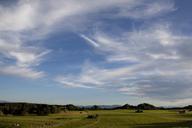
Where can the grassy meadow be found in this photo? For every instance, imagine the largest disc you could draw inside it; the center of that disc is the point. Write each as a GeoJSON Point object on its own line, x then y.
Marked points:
{"type": "Point", "coordinates": [106, 119]}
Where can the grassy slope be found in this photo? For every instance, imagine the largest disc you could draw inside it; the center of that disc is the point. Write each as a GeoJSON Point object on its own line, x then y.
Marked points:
{"type": "Point", "coordinates": [107, 119]}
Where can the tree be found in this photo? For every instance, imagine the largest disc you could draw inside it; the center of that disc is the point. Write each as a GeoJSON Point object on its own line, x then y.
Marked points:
{"type": "Point", "coordinates": [1, 113]}
{"type": "Point", "coordinates": [95, 107]}
{"type": "Point", "coordinates": [43, 110]}
{"type": "Point", "coordinates": [146, 106]}
{"type": "Point", "coordinates": [72, 107]}
{"type": "Point", "coordinates": [54, 109]}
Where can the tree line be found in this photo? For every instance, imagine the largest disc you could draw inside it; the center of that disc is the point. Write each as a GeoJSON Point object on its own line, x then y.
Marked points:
{"type": "Point", "coordinates": [31, 108]}
{"type": "Point", "coordinates": [28, 108]}
{"type": "Point", "coordinates": [45, 109]}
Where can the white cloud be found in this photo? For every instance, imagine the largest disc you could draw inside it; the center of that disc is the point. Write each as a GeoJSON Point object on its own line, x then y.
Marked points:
{"type": "Point", "coordinates": [129, 90]}
{"type": "Point", "coordinates": [161, 58]}
{"type": "Point", "coordinates": [26, 21]}
{"type": "Point", "coordinates": [161, 64]}
{"type": "Point", "coordinates": [23, 57]}
{"type": "Point", "coordinates": [26, 58]}
{"type": "Point", "coordinates": [21, 72]}
{"type": "Point", "coordinates": [69, 82]}
{"type": "Point", "coordinates": [89, 40]}
{"type": "Point", "coordinates": [17, 18]}
{"type": "Point", "coordinates": [27, 15]}
{"type": "Point", "coordinates": [92, 76]}
{"type": "Point", "coordinates": [147, 9]}
{"type": "Point", "coordinates": [154, 42]}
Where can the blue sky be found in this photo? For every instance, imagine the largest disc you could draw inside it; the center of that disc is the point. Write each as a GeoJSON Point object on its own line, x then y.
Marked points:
{"type": "Point", "coordinates": [96, 52]}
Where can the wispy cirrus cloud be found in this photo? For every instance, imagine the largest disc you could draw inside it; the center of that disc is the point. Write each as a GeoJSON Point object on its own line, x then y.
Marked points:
{"type": "Point", "coordinates": [39, 18]}
{"type": "Point", "coordinates": [24, 56]}
{"type": "Point", "coordinates": [147, 9]}
{"type": "Point", "coordinates": [20, 59]}
{"type": "Point", "coordinates": [92, 42]}
{"type": "Point", "coordinates": [27, 15]}
{"type": "Point", "coordinates": [161, 64]}
{"type": "Point", "coordinates": [155, 42]}
{"type": "Point", "coordinates": [156, 59]}
{"type": "Point", "coordinates": [21, 72]}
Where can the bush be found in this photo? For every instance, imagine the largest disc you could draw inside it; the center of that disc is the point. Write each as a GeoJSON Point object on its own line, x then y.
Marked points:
{"type": "Point", "coordinates": [24, 113]}
{"type": "Point", "coordinates": [146, 106]}
{"type": "Point", "coordinates": [139, 111]}
{"type": "Point", "coordinates": [92, 116]}
{"type": "Point", "coordinates": [1, 113]}
{"type": "Point", "coordinates": [182, 111]}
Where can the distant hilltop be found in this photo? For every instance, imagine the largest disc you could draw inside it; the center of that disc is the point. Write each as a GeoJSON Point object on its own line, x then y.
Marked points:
{"type": "Point", "coordinates": [21, 108]}
{"type": "Point", "coordinates": [142, 106]}
{"type": "Point", "coordinates": [3, 101]}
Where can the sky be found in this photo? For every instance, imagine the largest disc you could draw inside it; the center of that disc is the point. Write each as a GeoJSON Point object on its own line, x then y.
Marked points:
{"type": "Point", "coordinates": [87, 52]}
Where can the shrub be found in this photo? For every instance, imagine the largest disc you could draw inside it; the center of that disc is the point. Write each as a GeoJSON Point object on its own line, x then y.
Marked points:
{"type": "Point", "coordinates": [92, 116]}
{"type": "Point", "coordinates": [146, 106]}
{"type": "Point", "coordinates": [1, 113]}
{"type": "Point", "coordinates": [139, 111]}
{"type": "Point", "coordinates": [182, 111]}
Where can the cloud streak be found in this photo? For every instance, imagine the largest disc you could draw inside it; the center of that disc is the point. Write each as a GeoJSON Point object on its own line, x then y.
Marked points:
{"type": "Point", "coordinates": [21, 72]}
{"type": "Point", "coordinates": [39, 18]}
{"type": "Point", "coordinates": [89, 40]}
{"type": "Point", "coordinates": [161, 64]}
{"type": "Point", "coordinates": [156, 59]}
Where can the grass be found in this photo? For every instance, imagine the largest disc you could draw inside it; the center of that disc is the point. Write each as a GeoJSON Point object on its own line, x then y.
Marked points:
{"type": "Point", "coordinates": [106, 119]}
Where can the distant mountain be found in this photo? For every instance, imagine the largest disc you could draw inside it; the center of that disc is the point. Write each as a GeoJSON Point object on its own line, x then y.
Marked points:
{"type": "Point", "coordinates": [188, 107]}
{"type": "Point", "coordinates": [146, 106]}
{"type": "Point", "coordinates": [108, 106]}
{"type": "Point", "coordinates": [126, 106]}
{"type": "Point", "coordinates": [3, 101]}
{"type": "Point", "coordinates": [101, 106]}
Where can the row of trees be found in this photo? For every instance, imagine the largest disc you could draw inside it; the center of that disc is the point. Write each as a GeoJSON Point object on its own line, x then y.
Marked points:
{"type": "Point", "coordinates": [143, 106]}
{"type": "Point", "coordinates": [26, 108]}
{"type": "Point", "coordinates": [37, 109]}
{"type": "Point", "coordinates": [44, 109]}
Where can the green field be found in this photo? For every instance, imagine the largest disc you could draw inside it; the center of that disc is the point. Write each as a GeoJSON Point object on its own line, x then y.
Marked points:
{"type": "Point", "coordinates": [106, 119]}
